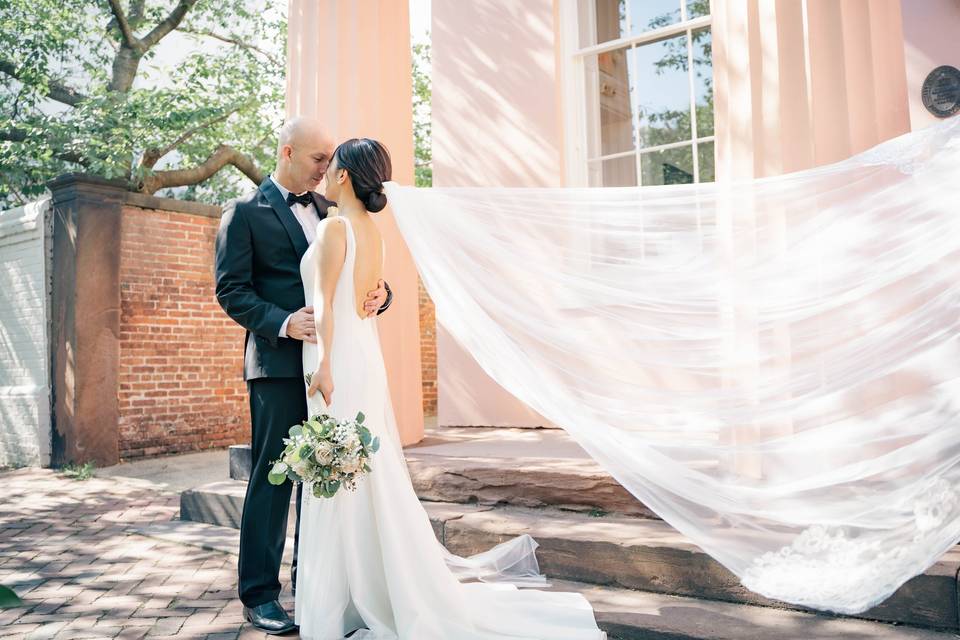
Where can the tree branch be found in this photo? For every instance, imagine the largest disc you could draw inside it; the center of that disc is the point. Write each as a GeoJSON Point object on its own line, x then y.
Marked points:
{"type": "Point", "coordinates": [169, 23]}
{"type": "Point", "coordinates": [57, 90]}
{"type": "Point", "coordinates": [152, 156]}
{"type": "Point", "coordinates": [135, 18]}
{"type": "Point", "coordinates": [19, 135]}
{"type": "Point", "coordinates": [129, 39]}
{"type": "Point", "coordinates": [232, 40]}
{"type": "Point", "coordinates": [224, 155]}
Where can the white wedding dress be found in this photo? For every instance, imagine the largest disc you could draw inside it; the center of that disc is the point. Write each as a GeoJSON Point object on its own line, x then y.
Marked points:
{"type": "Point", "coordinates": [369, 559]}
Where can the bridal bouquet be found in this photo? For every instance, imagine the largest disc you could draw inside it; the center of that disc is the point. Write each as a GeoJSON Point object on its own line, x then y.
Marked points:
{"type": "Point", "coordinates": [326, 453]}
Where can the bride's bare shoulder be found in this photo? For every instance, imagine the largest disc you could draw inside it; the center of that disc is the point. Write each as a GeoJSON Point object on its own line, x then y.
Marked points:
{"type": "Point", "coordinates": [332, 236]}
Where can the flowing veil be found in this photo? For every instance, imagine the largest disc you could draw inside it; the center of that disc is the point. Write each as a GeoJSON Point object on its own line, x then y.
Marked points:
{"type": "Point", "coordinates": [772, 366]}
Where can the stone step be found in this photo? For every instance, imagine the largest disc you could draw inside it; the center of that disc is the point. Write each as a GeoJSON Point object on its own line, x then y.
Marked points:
{"type": "Point", "coordinates": [638, 615]}
{"type": "Point", "coordinates": [462, 474]}
{"type": "Point", "coordinates": [632, 615]}
{"type": "Point", "coordinates": [617, 551]}
{"type": "Point", "coordinates": [649, 555]}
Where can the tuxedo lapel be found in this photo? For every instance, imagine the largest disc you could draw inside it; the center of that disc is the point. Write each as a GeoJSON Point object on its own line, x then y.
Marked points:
{"type": "Point", "coordinates": [322, 204]}
{"type": "Point", "coordinates": [287, 217]}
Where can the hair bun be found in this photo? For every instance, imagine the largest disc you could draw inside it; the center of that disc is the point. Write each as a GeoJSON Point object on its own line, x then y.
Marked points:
{"type": "Point", "coordinates": [375, 201]}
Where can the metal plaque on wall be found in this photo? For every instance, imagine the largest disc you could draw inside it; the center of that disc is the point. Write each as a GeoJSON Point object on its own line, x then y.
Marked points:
{"type": "Point", "coordinates": [941, 91]}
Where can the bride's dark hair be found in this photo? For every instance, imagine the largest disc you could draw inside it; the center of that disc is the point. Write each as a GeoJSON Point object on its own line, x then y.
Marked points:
{"type": "Point", "coordinates": [368, 163]}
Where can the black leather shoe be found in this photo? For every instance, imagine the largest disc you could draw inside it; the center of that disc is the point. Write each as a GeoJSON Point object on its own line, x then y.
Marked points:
{"type": "Point", "coordinates": [270, 618]}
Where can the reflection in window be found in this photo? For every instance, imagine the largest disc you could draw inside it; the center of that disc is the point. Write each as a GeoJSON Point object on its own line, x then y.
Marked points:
{"type": "Point", "coordinates": [663, 90]}
{"type": "Point", "coordinates": [616, 172]}
{"type": "Point", "coordinates": [670, 166]}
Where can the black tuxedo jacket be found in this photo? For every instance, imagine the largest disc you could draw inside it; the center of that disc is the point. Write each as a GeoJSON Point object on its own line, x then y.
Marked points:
{"type": "Point", "coordinates": [258, 250]}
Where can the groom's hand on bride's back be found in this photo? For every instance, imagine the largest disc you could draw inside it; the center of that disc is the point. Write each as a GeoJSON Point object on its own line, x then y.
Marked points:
{"type": "Point", "coordinates": [301, 325]}
{"type": "Point", "coordinates": [377, 300]}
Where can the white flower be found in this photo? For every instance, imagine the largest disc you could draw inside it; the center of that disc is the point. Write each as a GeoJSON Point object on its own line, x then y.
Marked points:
{"type": "Point", "coordinates": [301, 468]}
{"type": "Point", "coordinates": [352, 464]}
{"type": "Point", "coordinates": [324, 453]}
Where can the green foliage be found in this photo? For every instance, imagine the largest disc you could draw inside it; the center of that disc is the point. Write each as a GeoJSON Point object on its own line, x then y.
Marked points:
{"type": "Point", "coordinates": [78, 471]}
{"type": "Point", "coordinates": [75, 97]}
{"type": "Point", "coordinates": [422, 152]}
{"type": "Point", "coordinates": [9, 599]}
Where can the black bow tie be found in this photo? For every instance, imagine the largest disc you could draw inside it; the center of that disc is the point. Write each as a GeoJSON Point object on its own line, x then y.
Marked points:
{"type": "Point", "coordinates": [304, 198]}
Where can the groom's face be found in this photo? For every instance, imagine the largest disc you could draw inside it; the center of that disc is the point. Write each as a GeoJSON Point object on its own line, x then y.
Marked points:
{"type": "Point", "coordinates": [309, 159]}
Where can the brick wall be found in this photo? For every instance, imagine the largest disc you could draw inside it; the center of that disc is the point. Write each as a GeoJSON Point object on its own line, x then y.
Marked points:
{"type": "Point", "coordinates": [428, 352]}
{"type": "Point", "coordinates": [180, 373]}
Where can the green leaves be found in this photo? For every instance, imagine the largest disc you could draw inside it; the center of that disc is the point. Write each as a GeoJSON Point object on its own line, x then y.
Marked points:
{"type": "Point", "coordinates": [191, 93]}
{"type": "Point", "coordinates": [9, 599]}
{"type": "Point", "coordinates": [325, 489]}
{"type": "Point", "coordinates": [278, 473]}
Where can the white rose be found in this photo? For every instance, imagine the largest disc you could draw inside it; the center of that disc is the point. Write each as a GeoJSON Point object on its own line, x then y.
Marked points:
{"type": "Point", "coordinates": [324, 453]}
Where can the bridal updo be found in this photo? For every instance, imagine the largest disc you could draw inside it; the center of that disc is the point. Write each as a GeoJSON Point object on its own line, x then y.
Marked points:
{"type": "Point", "coordinates": [368, 163]}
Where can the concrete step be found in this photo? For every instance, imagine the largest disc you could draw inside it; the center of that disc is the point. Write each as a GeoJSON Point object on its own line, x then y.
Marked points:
{"type": "Point", "coordinates": [632, 615]}
{"type": "Point", "coordinates": [471, 473]}
{"type": "Point", "coordinates": [616, 551]}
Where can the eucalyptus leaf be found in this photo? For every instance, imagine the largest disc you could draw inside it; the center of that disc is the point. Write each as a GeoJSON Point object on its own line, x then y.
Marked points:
{"type": "Point", "coordinates": [9, 599]}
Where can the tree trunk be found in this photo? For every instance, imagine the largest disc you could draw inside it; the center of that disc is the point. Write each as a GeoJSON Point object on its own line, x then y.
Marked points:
{"type": "Point", "coordinates": [125, 67]}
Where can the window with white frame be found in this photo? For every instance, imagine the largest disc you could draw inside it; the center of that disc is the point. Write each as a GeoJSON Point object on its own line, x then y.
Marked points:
{"type": "Point", "coordinates": [647, 77]}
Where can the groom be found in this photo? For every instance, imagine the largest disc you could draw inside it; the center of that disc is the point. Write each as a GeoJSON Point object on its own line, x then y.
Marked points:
{"type": "Point", "coordinates": [261, 239]}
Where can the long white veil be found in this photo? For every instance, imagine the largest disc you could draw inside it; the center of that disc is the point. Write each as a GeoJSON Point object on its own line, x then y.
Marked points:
{"type": "Point", "coordinates": [772, 366]}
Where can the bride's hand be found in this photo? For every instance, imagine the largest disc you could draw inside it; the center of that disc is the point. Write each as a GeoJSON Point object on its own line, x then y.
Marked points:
{"type": "Point", "coordinates": [321, 381]}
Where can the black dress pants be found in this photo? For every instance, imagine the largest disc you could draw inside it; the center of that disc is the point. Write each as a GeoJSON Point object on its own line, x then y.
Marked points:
{"type": "Point", "coordinates": [276, 404]}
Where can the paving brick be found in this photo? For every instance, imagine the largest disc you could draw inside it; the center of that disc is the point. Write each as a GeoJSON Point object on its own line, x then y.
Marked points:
{"type": "Point", "coordinates": [71, 552]}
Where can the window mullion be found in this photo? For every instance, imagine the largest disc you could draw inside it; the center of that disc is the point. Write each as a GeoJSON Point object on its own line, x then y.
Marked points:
{"type": "Point", "coordinates": [693, 107]}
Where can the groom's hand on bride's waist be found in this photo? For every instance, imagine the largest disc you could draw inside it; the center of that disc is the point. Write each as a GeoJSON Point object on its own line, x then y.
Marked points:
{"type": "Point", "coordinates": [300, 326]}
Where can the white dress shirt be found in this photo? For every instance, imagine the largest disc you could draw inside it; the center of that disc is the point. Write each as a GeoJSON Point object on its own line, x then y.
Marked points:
{"type": "Point", "coordinates": [307, 216]}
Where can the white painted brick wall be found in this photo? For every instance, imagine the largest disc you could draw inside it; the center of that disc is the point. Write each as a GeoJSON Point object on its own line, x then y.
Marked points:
{"type": "Point", "coordinates": [25, 429]}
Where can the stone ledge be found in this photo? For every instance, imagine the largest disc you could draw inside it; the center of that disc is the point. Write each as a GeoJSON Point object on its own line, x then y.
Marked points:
{"type": "Point", "coordinates": [573, 484]}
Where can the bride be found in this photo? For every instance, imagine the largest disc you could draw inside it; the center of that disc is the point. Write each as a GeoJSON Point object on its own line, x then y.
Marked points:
{"type": "Point", "coordinates": [369, 559]}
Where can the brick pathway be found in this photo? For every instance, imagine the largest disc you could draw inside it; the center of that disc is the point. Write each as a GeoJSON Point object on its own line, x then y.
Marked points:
{"type": "Point", "coordinates": [68, 549]}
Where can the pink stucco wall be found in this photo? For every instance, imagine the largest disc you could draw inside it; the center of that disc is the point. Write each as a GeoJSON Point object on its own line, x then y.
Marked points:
{"type": "Point", "coordinates": [931, 37]}
{"type": "Point", "coordinates": [495, 123]}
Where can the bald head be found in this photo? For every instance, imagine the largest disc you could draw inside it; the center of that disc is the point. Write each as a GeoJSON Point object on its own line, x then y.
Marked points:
{"type": "Point", "coordinates": [303, 130]}
{"type": "Point", "coordinates": [303, 153]}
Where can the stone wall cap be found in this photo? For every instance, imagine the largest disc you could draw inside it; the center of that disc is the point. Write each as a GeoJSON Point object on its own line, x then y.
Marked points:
{"type": "Point", "coordinates": [63, 187]}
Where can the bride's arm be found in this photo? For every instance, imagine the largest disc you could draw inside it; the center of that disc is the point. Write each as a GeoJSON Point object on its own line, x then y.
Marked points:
{"type": "Point", "coordinates": [333, 251]}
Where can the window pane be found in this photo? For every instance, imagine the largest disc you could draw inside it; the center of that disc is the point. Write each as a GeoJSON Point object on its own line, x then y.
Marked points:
{"type": "Point", "coordinates": [663, 92]}
{"type": "Point", "coordinates": [618, 172]}
{"type": "Point", "coordinates": [703, 81]}
{"type": "Point", "coordinates": [706, 158]}
{"type": "Point", "coordinates": [646, 15]}
{"type": "Point", "coordinates": [611, 20]}
{"type": "Point", "coordinates": [697, 8]}
{"type": "Point", "coordinates": [670, 166]}
{"type": "Point", "coordinates": [611, 103]}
